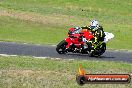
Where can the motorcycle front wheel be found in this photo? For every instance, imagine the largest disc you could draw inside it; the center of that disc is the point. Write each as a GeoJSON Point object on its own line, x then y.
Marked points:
{"type": "Point", "coordinates": [61, 47]}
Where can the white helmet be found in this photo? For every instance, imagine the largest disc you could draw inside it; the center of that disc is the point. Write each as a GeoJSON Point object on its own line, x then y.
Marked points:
{"type": "Point", "coordinates": [94, 24]}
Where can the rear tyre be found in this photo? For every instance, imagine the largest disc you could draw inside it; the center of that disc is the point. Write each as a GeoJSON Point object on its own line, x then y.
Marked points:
{"type": "Point", "coordinates": [101, 50]}
{"type": "Point", "coordinates": [61, 47]}
{"type": "Point", "coordinates": [98, 52]}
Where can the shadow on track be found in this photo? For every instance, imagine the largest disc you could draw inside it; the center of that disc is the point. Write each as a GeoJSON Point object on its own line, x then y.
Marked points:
{"type": "Point", "coordinates": [85, 56]}
{"type": "Point", "coordinates": [105, 57]}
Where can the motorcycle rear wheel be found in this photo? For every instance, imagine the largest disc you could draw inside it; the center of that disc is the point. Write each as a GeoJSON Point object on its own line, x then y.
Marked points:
{"type": "Point", "coordinates": [97, 53]}
{"type": "Point", "coordinates": [102, 48]}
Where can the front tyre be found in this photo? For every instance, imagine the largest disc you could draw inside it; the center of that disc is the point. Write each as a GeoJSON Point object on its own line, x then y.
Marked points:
{"type": "Point", "coordinates": [61, 47]}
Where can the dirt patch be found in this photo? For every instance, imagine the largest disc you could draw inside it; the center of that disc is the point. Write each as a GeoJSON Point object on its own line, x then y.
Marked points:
{"type": "Point", "coordinates": [54, 19]}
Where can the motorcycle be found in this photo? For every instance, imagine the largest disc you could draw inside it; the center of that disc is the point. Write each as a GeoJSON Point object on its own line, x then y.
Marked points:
{"type": "Point", "coordinates": [76, 43]}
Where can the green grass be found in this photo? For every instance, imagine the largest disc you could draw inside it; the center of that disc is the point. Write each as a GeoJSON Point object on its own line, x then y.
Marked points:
{"type": "Point", "coordinates": [57, 16]}
{"type": "Point", "coordinates": [47, 22]}
{"type": "Point", "coordinates": [28, 72]}
{"type": "Point", "coordinates": [31, 32]}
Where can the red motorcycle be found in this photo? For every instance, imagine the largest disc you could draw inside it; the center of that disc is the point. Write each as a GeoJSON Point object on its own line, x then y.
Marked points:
{"type": "Point", "coordinates": [75, 43]}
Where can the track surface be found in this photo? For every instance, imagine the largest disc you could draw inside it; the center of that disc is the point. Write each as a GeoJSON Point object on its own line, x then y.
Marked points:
{"type": "Point", "coordinates": [49, 51]}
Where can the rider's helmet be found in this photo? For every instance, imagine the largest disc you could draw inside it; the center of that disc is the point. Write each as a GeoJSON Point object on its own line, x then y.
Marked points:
{"type": "Point", "coordinates": [94, 24]}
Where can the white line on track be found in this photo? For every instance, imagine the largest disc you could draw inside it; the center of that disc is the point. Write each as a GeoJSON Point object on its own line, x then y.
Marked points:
{"type": "Point", "coordinates": [6, 55]}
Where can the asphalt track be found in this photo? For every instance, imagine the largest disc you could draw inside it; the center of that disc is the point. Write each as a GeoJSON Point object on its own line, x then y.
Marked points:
{"type": "Point", "coordinates": [11, 48]}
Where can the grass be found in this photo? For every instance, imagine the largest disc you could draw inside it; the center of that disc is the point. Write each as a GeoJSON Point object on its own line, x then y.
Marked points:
{"type": "Point", "coordinates": [28, 72]}
{"type": "Point", "coordinates": [49, 21]}
{"type": "Point", "coordinates": [29, 32]}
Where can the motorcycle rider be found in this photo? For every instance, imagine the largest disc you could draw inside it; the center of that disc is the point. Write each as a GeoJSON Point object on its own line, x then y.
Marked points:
{"type": "Point", "coordinates": [95, 28]}
{"type": "Point", "coordinates": [97, 31]}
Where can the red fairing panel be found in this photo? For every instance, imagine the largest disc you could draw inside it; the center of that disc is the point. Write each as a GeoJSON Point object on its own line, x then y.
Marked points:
{"type": "Point", "coordinates": [88, 35]}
